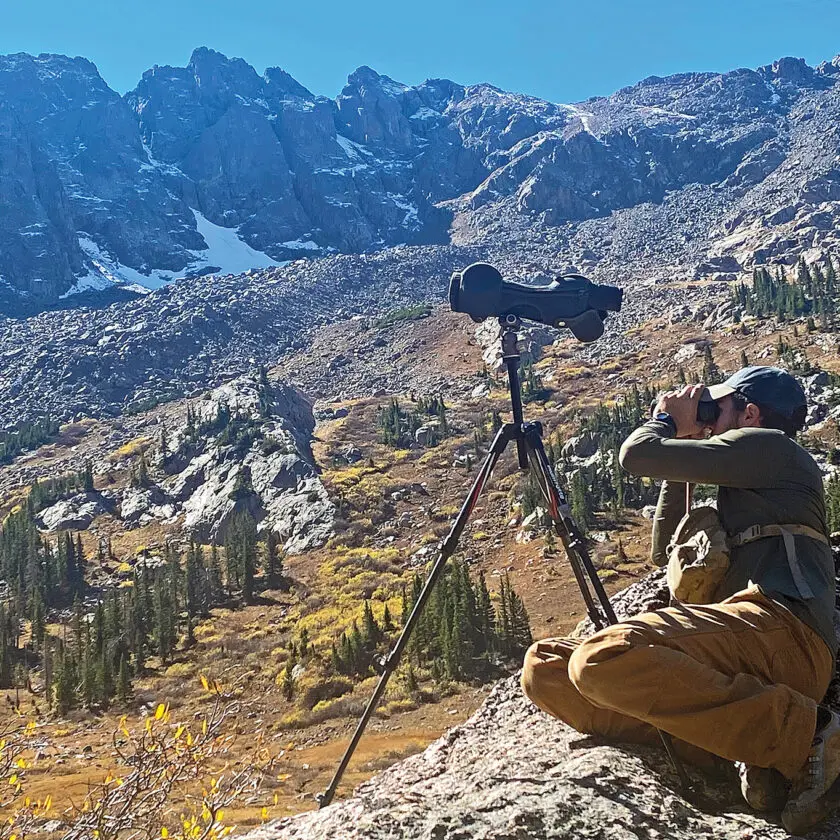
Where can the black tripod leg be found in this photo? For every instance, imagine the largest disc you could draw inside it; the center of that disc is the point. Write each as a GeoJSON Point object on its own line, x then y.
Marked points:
{"type": "Point", "coordinates": [447, 549]}
{"type": "Point", "coordinates": [569, 533]}
{"type": "Point", "coordinates": [579, 560]}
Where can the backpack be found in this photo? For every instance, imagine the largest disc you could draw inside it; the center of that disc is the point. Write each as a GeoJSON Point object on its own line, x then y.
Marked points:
{"type": "Point", "coordinates": [698, 554]}
{"type": "Point", "coordinates": [698, 557]}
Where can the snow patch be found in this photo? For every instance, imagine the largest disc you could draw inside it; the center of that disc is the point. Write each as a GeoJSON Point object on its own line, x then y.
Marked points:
{"type": "Point", "coordinates": [301, 245]}
{"type": "Point", "coordinates": [391, 87]}
{"type": "Point", "coordinates": [664, 112]}
{"type": "Point", "coordinates": [353, 150]}
{"type": "Point", "coordinates": [411, 216]}
{"type": "Point", "coordinates": [153, 164]}
{"type": "Point", "coordinates": [226, 249]}
{"type": "Point", "coordinates": [586, 117]}
{"type": "Point", "coordinates": [424, 113]}
{"type": "Point", "coordinates": [226, 252]}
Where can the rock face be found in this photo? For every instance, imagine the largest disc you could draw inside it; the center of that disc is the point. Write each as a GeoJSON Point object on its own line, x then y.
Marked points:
{"type": "Point", "coordinates": [512, 771]}
{"type": "Point", "coordinates": [214, 168]}
{"type": "Point", "coordinates": [75, 513]}
{"type": "Point", "coordinates": [257, 459]}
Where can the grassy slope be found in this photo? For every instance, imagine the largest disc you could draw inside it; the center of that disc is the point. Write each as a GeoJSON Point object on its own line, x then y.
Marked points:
{"type": "Point", "coordinates": [247, 647]}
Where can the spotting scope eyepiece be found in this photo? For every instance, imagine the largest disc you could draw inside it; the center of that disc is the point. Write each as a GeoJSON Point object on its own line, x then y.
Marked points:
{"type": "Point", "coordinates": [571, 301]}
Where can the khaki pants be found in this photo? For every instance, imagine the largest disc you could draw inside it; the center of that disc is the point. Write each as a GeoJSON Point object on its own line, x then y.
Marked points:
{"type": "Point", "coordinates": [740, 679]}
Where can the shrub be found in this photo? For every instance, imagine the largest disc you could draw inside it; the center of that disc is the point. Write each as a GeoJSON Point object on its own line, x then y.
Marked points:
{"type": "Point", "coordinates": [325, 689]}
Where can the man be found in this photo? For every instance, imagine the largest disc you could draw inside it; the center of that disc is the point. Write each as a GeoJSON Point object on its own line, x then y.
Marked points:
{"type": "Point", "coordinates": [740, 678]}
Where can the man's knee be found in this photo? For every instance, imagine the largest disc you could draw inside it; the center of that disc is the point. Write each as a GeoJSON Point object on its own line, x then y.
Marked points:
{"type": "Point", "coordinates": [594, 668]}
{"type": "Point", "coordinates": [530, 673]}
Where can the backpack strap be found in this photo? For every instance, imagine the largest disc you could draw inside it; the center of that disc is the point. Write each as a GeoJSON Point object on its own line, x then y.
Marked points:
{"type": "Point", "coordinates": [787, 533]}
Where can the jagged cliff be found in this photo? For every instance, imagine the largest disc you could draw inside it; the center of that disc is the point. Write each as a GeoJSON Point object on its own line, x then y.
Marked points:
{"type": "Point", "coordinates": [214, 168]}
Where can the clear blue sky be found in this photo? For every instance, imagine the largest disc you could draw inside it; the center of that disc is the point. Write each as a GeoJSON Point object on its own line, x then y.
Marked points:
{"type": "Point", "coordinates": [561, 50]}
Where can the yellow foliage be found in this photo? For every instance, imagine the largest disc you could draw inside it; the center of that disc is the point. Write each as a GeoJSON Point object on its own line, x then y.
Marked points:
{"type": "Point", "coordinates": [181, 669]}
{"type": "Point", "coordinates": [293, 720]}
{"type": "Point", "coordinates": [406, 704]}
{"type": "Point", "coordinates": [433, 458]}
{"type": "Point", "coordinates": [574, 371]}
{"type": "Point", "coordinates": [132, 448]}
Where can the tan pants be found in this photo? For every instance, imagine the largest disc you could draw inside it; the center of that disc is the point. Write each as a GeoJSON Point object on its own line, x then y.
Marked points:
{"type": "Point", "coordinates": [740, 679]}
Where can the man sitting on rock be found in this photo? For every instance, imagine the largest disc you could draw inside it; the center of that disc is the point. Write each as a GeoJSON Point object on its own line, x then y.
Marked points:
{"type": "Point", "coordinates": [741, 677]}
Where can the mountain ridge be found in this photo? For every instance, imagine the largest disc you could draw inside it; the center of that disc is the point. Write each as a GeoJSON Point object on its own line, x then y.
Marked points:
{"type": "Point", "coordinates": [103, 189]}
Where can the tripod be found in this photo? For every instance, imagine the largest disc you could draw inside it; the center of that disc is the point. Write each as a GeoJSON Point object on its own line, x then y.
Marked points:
{"type": "Point", "coordinates": [531, 454]}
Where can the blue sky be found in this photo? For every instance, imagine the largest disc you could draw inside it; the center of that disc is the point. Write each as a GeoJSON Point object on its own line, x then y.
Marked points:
{"type": "Point", "coordinates": [564, 51]}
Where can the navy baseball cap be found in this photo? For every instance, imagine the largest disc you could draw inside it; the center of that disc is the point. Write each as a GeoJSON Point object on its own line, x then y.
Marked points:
{"type": "Point", "coordinates": [768, 387]}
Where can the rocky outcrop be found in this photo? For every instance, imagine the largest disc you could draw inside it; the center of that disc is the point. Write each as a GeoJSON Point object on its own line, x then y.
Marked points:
{"type": "Point", "coordinates": [247, 450]}
{"type": "Point", "coordinates": [512, 771]}
{"type": "Point", "coordinates": [77, 512]}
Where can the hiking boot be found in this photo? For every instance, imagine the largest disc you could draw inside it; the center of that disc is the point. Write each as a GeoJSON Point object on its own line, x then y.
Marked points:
{"type": "Point", "coordinates": [815, 794]}
{"type": "Point", "coordinates": [764, 789]}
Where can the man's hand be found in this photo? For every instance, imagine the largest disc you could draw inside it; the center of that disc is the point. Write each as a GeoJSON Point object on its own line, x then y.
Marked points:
{"type": "Point", "coordinates": [682, 406]}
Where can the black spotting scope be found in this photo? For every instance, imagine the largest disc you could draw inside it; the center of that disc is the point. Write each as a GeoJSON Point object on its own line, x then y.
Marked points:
{"type": "Point", "coordinates": [571, 301]}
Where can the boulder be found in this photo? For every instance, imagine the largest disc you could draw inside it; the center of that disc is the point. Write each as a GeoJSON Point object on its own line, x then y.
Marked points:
{"type": "Point", "coordinates": [75, 513]}
{"type": "Point", "coordinates": [141, 505]}
{"type": "Point", "coordinates": [270, 475]}
{"type": "Point", "coordinates": [580, 446]}
{"type": "Point", "coordinates": [512, 771]}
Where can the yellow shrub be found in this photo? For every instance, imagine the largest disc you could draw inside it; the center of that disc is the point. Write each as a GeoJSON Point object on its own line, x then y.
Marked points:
{"type": "Point", "coordinates": [181, 669]}
{"type": "Point", "coordinates": [293, 720]}
{"type": "Point", "coordinates": [132, 448]}
{"type": "Point", "coordinates": [406, 704]}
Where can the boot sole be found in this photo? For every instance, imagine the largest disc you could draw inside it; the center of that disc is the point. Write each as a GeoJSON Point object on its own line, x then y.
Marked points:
{"type": "Point", "coordinates": [803, 821]}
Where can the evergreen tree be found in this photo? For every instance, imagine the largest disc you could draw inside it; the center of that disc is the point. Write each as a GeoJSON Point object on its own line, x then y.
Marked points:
{"type": "Point", "coordinates": [273, 561]}
{"type": "Point", "coordinates": [123, 681]}
{"type": "Point", "coordinates": [214, 575]}
{"type": "Point", "coordinates": [387, 621]}
{"type": "Point", "coordinates": [88, 477]}
{"type": "Point", "coordinates": [288, 687]}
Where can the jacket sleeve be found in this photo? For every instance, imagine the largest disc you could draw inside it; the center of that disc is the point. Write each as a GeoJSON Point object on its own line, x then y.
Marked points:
{"type": "Point", "coordinates": [670, 509]}
{"type": "Point", "coordinates": [737, 458]}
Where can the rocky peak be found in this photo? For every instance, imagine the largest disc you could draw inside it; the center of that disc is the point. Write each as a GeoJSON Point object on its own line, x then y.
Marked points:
{"type": "Point", "coordinates": [369, 110]}
{"type": "Point", "coordinates": [281, 84]}
{"type": "Point", "coordinates": [794, 71]}
{"type": "Point", "coordinates": [238, 170]}
{"type": "Point", "coordinates": [216, 75]}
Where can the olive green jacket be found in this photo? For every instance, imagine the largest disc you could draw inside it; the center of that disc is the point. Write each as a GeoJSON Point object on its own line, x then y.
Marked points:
{"type": "Point", "coordinates": [763, 478]}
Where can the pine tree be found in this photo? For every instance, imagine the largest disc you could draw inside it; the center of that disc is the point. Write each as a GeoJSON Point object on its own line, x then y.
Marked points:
{"type": "Point", "coordinates": [214, 575]}
{"type": "Point", "coordinates": [711, 372]}
{"type": "Point", "coordinates": [387, 621]}
{"type": "Point", "coordinates": [123, 681]}
{"type": "Point", "coordinates": [88, 477]}
{"type": "Point", "coordinates": [64, 684]}
{"type": "Point", "coordinates": [370, 629]}
{"type": "Point", "coordinates": [288, 686]}
{"type": "Point", "coordinates": [164, 621]}
{"type": "Point", "coordinates": [142, 471]}
{"type": "Point", "coordinates": [192, 583]}
{"type": "Point", "coordinates": [273, 561]}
